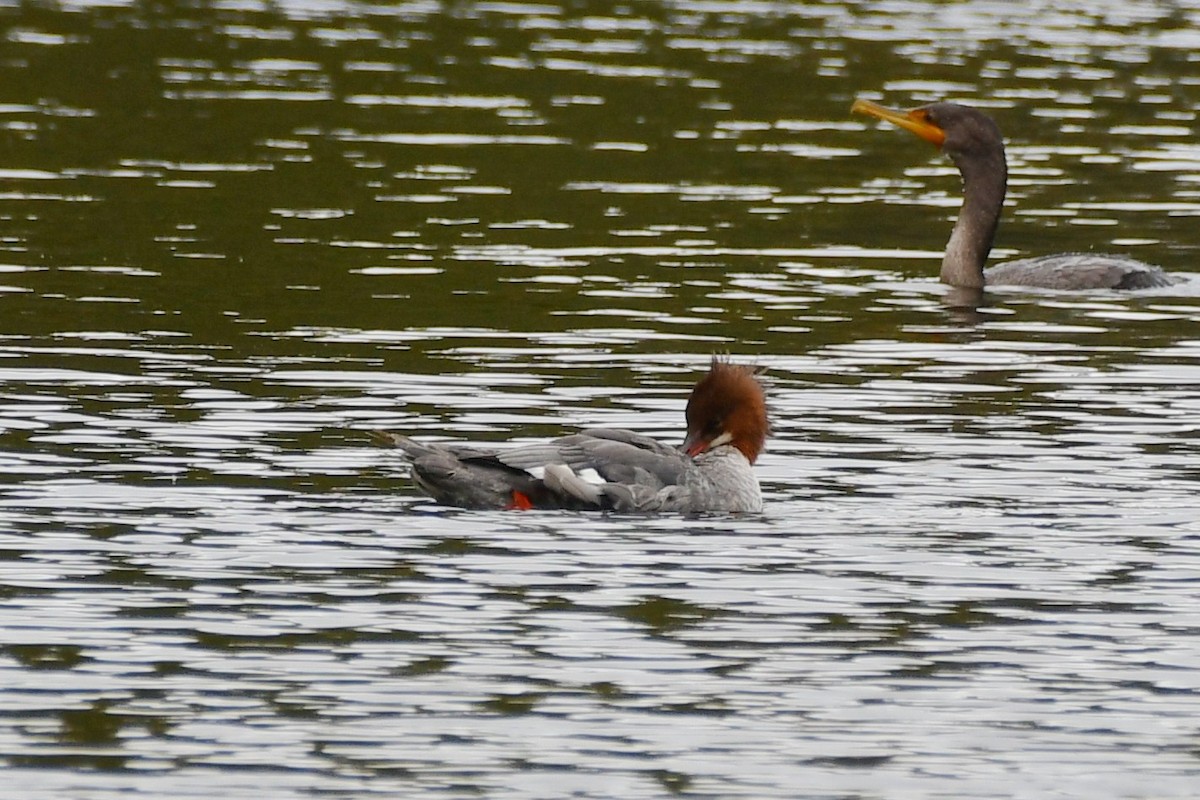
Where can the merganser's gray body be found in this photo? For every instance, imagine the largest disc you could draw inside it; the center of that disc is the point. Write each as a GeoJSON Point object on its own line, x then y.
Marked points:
{"type": "Point", "coordinates": [599, 468]}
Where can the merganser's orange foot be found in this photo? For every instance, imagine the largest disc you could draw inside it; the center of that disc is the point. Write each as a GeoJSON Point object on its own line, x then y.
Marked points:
{"type": "Point", "coordinates": [520, 502]}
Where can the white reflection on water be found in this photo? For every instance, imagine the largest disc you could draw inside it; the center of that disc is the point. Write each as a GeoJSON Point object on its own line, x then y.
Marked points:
{"type": "Point", "coordinates": [977, 572]}
{"type": "Point", "coordinates": [820, 638]}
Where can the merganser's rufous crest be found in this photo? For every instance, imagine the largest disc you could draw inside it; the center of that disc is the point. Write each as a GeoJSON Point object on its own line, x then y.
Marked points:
{"type": "Point", "coordinates": [618, 470]}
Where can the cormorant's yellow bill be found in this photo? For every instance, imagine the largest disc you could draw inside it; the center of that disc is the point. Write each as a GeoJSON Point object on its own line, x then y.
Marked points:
{"type": "Point", "coordinates": [916, 121]}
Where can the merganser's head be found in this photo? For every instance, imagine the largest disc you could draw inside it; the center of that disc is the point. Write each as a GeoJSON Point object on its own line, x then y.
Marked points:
{"type": "Point", "coordinates": [727, 406]}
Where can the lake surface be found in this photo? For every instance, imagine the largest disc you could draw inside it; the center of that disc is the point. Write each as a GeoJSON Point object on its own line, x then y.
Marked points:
{"type": "Point", "coordinates": [238, 235]}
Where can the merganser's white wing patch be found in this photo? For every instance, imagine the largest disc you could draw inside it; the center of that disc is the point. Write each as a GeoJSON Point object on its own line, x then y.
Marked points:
{"type": "Point", "coordinates": [590, 475]}
{"type": "Point", "coordinates": [561, 479]}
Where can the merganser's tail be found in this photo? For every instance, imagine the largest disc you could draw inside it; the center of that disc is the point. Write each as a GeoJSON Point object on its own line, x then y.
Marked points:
{"type": "Point", "coordinates": [467, 477]}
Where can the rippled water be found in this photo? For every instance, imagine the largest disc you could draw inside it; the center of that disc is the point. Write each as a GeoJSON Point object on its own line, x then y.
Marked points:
{"type": "Point", "coordinates": [237, 235]}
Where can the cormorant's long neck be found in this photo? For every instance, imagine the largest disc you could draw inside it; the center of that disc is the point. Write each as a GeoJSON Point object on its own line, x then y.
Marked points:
{"type": "Point", "coordinates": [985, 179]}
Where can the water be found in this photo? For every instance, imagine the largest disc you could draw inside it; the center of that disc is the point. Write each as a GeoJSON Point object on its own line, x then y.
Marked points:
{"type": "Point", "coordinates": [236, 236]}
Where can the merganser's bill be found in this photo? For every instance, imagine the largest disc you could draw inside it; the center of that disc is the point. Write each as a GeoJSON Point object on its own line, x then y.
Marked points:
{"type": "Point", "coordinates": [619, 470]}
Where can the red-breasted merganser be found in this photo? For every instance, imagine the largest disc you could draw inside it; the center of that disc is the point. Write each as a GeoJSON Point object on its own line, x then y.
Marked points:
{"type": "Point", "coordinates": [619, 470]}
{"type": "Point", "coordinates": [972, 140]}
